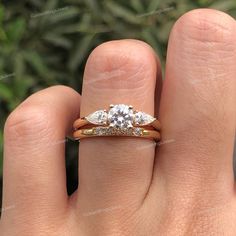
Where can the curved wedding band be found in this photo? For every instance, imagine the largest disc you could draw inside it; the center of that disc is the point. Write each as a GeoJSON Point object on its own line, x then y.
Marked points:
{"type": "Point", "coordinates": [120, 120]}
{"type": "Point", "coordinates": [107, 132]}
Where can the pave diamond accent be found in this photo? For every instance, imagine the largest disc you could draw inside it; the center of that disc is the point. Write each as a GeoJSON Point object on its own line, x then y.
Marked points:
{"type": "Point", "coordinates": [99, 131]}
{"type": "Point", "coordinates": [121, 116]}
{"type": "Point", "coordinates": [142, 118]}
{"type": "Point", "coordinates": [98, 117]}
{"type": "Point", "coordinates": [138, 131]}
{"type": "Point", "coordinates": [110, 131]}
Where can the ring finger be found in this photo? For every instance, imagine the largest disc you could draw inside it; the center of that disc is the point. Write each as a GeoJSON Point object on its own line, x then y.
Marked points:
{"type": "Point", "coordinates": [116, 172]}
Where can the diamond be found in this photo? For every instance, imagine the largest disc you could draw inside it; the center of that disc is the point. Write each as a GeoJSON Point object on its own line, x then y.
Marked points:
{"type": "Point", "coordinates": [108, 131]}
{"type": "Point", "coordinates": [138, 131]}
{"type": "Point", "coordinates": [100, 131]}
{"type": "Point", "coordinates": [142, 118]}
{"type": "Point", "coordinates": [97, 118]}
{"type": "Point", "coordinates": [121, 116]}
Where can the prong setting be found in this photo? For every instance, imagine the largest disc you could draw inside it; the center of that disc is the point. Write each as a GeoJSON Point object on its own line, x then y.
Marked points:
{"type": "Point", "coordinates": [120, 116]}
{"type": "Point", "coordinates": [118, 120]}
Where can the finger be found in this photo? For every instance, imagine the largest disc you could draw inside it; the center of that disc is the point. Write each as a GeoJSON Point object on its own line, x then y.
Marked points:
{"type": "Point", "coordinates": [116, 169]}
{"type": "Point", "coordinates": [198, 109]}
{"type": "Point", "coordinates": [34, 162]}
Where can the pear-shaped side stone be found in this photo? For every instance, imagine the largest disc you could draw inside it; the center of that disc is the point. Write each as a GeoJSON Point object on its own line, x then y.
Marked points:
{"type": "Point", "coordinates": [142, 118]}
{"type": "Point", "coordinates": [97, 118]}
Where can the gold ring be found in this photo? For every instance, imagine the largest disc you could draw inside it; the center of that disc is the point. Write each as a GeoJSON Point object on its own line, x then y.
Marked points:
{"type": "Point", "coordinates": [109, 132]}
{"type": "Point", "coordinates": [118, 116]}
{"type": "Point", "coordinates": [119, 120]}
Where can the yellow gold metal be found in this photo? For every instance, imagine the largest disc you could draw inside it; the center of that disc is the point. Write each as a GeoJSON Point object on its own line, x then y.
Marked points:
{"type": "Point", "coordinates": [86, 133]}
{"type": "Point", "coordinates": [132, 123]}
{"type": "Point", "coordinates": [145, 132]}
{"type": "Point", "coordinates": [83, 122]}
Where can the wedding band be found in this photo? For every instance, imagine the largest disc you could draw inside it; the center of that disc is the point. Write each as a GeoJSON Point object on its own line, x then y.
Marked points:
{"type": "Point", "coordinates": [118, 116]}
{"type": "Point", "coordinates": [108, 131]}
{"type": "Point", "coordinates": [119, 120]}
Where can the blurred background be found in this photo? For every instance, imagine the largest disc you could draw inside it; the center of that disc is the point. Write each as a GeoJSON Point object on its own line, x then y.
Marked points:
{"type": "Point", "coordinates": [44, 43]}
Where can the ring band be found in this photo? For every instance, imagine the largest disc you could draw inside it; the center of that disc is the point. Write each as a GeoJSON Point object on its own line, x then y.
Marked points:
{"type": "Point", "coordinates": [119, 120]}
{"type": "Point", "coordinates": [109, 132]}
{"type": "Point", "coordinates": [81, 122]}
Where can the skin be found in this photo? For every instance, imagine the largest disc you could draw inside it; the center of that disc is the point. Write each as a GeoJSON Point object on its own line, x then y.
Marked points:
{"type": "Point", "coordinates": [127, 186]}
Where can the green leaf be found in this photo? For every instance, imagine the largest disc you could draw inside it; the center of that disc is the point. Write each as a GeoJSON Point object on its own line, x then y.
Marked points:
{"type": "Point", "coordinates": [6, 92]}
{"type": "Point", "coordinates": [16, 29]}
{"type": "Point", "coordinates": [50, 5]}
{"type": "Point", "coordinates": [80, 52]}
{"type": "Point", "coordinates": [164, 31]}
{"type": "Point", "coordinates": [153, 5]}
{"type": "Point", "coordinates": [93, 5]}
{"type": "Point", "coordinates": [49, 8]}
{"type": "Point", "coordinates": [149, 37]}
{"type": "Point", "coordinates": [19, 65]}
{"type": "Point", "coordinates": [226, 5]}
{"type": "Point", "coordinates": [137, 5]}
{"type": "Point", "coordinates": [3, 35]}
{"type": "Point", "coordinates": [62, 14]}
{"type": "Point", "coordinates": [205, 2]}
{"type": "Point", "coordinates": [36, 62]}
{"type": "Point", "coordinates": [58, 40]}
{"type": "Point", "coordinates": [122, 12]}
{"type": "Point", "coordinates": [1, 14]}
{"type": "Point", "coordinates": [22, 85]}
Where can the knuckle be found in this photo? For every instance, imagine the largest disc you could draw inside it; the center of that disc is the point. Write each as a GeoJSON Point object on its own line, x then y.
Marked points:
{"type": "Point", "coordinates": [116, 61]}
{"type": "Point", "coordinates": [64, 89]}
{"type": "Point", "coordinates": [206, 25]}
{"type": "Point", "coordinates": [26, 121]}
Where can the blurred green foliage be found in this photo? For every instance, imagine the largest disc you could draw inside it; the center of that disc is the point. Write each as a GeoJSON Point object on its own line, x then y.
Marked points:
{"type": "Point", "coordinates": [43, 43]}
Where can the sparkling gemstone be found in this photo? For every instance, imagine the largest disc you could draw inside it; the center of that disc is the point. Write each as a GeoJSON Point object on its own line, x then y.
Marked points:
{"type": "Point", "coordinates": [142, 118]}
{"type": "Point", "coordinates": [100, 131]}
{"type": "Point", "coordinates": [121, 116]}
{"type": "Point", "coordinates": [137, 131]}
{"type": "Point", "coordinates": [98, 117]}
{"type": "Point", "coordinates": [110, 131]}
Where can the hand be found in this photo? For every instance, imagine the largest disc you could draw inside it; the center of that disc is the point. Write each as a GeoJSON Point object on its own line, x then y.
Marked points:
{"type": "Point", "coordinates": [127, 187]}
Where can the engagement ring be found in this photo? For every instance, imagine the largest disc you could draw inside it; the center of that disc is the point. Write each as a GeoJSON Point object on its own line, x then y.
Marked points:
{"type": "Point", "coordinates": [119, 120]}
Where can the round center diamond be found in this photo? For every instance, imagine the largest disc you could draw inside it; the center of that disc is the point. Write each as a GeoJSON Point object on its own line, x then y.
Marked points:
{"type": "Point", "coordinates": [121, 116]}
